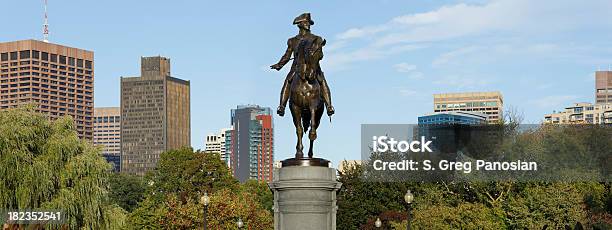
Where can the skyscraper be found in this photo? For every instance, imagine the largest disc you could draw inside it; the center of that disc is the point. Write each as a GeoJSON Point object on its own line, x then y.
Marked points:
{"type": "Point", "coordinates": [251, 146]}
{"type": "Point", "coordinates": [489, 103]}
{"type": "Point", "coordinates": [155, 115]}
{"type": "Point", "coordinates": [107, 133]}
{"type": "Point", "coordinates": [58, 80]}
{"type": "Point", "coordinates": [603, 87]}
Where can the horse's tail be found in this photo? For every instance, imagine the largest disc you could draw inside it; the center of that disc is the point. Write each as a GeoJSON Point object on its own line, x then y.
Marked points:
{"type": "Point", "coordinates": [306, 121]}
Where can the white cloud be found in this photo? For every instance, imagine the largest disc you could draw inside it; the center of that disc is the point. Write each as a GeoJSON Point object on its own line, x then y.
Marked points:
{"type": "Point", "coordinates": [499, 21]}
{"type": "Point", "coordinates": [409, 70]}
{"type": "Point", "coordinates": [449, 56]}
{"type": "Point", "coordinates": [341, 60]}
{"type": "Point", "coordinates": [361, 32]}
{"type": "Point", "coordinates": [404, 67]}
{"type": "Point", "coordinates": [407, 92]}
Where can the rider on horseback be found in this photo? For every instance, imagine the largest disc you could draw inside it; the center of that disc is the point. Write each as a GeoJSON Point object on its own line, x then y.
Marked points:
{"type": "Point", "coordinates": [315, 48]}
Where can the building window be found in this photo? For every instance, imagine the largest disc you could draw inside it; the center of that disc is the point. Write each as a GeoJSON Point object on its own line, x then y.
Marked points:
{"type": "Point", "coordinates": [71, 61]}
{"type": "Point", "coordinates": [13, 55]}
{"type": "Point", "coordinates": [80, 63]}
{"type": "Point", "coordinates": [54, 58]}
{"type": "Point", "coordinates": [35, 54]}
{"type": "Point", "coordinates": [88, 64]}
{"type": "Point", "coordinates": [62, 59]}
{"type": "Point", "coordinates": [45, 56]}
{"type": "Point", "coordinates": [24, 54]}
{"type": "Point", "coordinates": [4, 57]}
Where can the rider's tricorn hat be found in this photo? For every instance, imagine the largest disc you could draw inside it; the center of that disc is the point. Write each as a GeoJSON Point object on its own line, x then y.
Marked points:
{"type": "Point", "coordinates": [303, 17]}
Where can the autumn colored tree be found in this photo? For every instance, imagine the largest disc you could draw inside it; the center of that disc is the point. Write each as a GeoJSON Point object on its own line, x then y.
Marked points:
{"type": "Point", "coordinates": [181, 178]}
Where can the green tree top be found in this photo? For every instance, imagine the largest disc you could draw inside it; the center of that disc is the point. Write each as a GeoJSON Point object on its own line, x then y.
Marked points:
{"type": "Point", "coordinates": [44, 165]}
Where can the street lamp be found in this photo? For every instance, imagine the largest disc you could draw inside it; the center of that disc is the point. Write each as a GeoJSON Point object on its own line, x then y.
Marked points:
{"type": "Point", "coordinates": [378, 223]}
{"type": "Point", "coordinates": [239, 223]}
{"type": "Point", "coordinates": [408, 198]}
{"type": "Point", "coordinates": [204, 200]}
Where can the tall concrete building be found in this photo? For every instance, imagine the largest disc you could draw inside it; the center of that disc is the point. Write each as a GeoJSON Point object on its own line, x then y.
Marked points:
{"type": "Point", "coordinates": [216, 143]}
{"type": "Point", "coordinates": [489, 103]}
{"type": "Point", "coordinates": [582, 113]}
{"type": "Point", "coordinates": [107, 133]}
{"type": "Point", "coordinates": [57, 79]}
{"type": "Point", "coordinates": [603, 87]}
{"type": "Point", "coordinates": [251, 146]}
{"type": "Point", "coordinates": [155, 115]}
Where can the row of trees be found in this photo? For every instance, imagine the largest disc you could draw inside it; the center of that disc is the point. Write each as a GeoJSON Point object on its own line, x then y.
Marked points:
{"type": "Point", "coordinates": [522, 203]}
{"type": "Point", "coordinates": [45, 166]}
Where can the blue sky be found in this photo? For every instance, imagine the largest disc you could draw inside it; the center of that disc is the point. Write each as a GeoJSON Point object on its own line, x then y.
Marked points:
{"type": "Point", "coordinates": [384, 59]}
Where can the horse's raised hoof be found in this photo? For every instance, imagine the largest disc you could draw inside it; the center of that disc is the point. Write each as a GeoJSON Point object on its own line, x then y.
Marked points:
{"type": "Point", "coordinates": [330, 110]}
{"type": "Point", "coordinates": [281, 111]}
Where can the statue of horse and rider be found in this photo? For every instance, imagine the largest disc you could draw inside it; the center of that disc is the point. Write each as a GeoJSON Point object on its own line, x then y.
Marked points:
{"type": "Point", "coordinates": [305, 86]}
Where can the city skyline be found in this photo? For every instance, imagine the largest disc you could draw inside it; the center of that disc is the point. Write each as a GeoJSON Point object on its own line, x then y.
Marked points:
{"type": "Point", "coordinates": [540, 61]}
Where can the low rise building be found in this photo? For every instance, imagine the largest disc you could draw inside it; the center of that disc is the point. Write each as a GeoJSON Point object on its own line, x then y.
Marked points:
{"type": "Point", "coordinates": [489, 103]}
{"type": "Point", "coordinates": [582, 113]}
{"type": "Point", "coordinates": [453, 117]}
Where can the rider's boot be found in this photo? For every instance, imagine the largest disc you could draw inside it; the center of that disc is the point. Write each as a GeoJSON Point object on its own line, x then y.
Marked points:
{"type": "Point", "coordinates": [330, 110]}
{"type": "Point", "coordinates": [280, 110]}
{"type": "Point", "coordinates": [283, 98]}
{"type": "Point", "coordinates": [326, 95]}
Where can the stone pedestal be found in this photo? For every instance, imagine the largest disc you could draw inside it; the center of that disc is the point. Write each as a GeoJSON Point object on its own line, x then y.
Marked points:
{"type": "Point", "coordinates": [305, 198]}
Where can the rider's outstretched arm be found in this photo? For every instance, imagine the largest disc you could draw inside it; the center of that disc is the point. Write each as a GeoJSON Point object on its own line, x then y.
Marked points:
{"type": "Point", "coordinates": [287, 56]}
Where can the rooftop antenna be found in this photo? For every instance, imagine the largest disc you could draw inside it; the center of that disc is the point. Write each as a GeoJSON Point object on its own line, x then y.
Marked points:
{"type": "Point", "coordinates": [46, 26]}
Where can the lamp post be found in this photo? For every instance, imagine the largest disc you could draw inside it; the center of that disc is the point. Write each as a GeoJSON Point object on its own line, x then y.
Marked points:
{"type": "Point", "coordinates": [378, 223]}
{"type": "Point", "coordinates": [240, 223]}
{"type": "Point", "coordinates": [204, 200]}
{"type": "Point", "coordinates": [408, 198]}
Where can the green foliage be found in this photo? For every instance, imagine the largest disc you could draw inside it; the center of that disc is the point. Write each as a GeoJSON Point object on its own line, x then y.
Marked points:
{"type": "Point", "coordinates": [126, 190]}
{"type": "Point", "coordinates": [464, 216]}
{"type": "Point", "coordinates": [181, 178]}
{"type": "Point", "coordinates": [262, 191]}
{"type": "Point", "coordinates": [44, 165]}
{"type": "Point", "coordinates": [359, 200]}
{"type": "Point", "coordinates": [555, 205]}
{"type": "Point", "coordinates": [191, 173]}
{"type": "Point", "coordinates": [584, 151]}
{"type": "Point", "coordinates": [148, 215]}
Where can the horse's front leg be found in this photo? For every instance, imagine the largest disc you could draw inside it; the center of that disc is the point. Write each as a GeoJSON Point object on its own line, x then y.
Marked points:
{"type": "Point", "coordinates": [296, 113]}
{"type": "Point", "coordinates": [312, 135]}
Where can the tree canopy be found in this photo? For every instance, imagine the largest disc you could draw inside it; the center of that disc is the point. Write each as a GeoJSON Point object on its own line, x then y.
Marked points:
{"type": "Point", "coordinates": [182, 177]}
{"type": "Point", "coordinates": [46, 166]}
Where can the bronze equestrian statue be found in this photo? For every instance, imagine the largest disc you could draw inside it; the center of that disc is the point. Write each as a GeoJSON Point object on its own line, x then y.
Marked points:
{"type": "Point", "coordinates": [305, 86]}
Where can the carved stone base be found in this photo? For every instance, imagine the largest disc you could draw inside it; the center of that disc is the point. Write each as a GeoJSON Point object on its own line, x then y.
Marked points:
{"type": "Point", "coordinates": [305, 196]}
